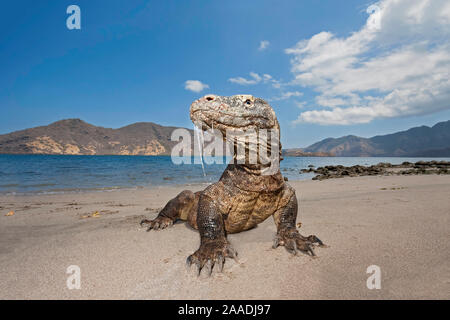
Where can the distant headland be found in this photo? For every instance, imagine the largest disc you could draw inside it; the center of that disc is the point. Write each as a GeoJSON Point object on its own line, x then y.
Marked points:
{"type": "Point", "coordinates": [77, 137]}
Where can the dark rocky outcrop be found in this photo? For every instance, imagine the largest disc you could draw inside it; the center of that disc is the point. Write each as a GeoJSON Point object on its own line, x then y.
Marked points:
{"type": "Point", "coordinates": [406, 168]}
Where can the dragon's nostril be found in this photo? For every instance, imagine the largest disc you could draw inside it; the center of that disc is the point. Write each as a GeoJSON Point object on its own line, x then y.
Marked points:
{"type": "Point", "coordinates": [209, 98]}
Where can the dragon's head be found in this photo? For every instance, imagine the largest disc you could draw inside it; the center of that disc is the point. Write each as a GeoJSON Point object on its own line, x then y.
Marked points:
{"type": "Point", "coordinates": [247, 123]}
{"type": "Point", "coordinates": [239, 112]}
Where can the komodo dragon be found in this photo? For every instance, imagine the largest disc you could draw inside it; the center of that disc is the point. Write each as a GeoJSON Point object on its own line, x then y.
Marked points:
{"type": "Point", "coordinates": [243, 197]}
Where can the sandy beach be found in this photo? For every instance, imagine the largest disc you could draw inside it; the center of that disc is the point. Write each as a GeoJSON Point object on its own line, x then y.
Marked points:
{"type": "Point", "coordinates": [401, 224]}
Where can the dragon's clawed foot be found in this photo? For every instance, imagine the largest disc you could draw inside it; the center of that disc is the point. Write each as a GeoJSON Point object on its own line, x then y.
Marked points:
{"type": "Point", "coordinates": [293, 241]}
{"type": "Point", "coordinates": [210, 254]}
{"type": "Point", "coordinates": [159, 223]}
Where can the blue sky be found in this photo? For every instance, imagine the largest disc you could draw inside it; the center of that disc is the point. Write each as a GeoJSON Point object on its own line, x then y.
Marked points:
{"type": "Point", "coordinates": [131, 59]}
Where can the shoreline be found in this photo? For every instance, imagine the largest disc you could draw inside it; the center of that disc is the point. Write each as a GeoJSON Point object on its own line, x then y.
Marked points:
{"type": "Point", "coordinates": [168, 155]}
{"type": "Point", "coordinates": [400, 223]}
{"type": "Point", "coordinates": [105, 190]}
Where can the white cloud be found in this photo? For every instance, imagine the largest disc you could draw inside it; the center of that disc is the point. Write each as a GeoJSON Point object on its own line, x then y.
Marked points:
{"type": "Point", "coordinates": [300, 105]}
{"type": "Point", "coordinates": [329, 102]}
{"type": "Point", "coordinates": [195, 85]}
{"type": "Point", "coordinates": [263, 45]}
{"type": "Point", "coordinates": [255, 78]}
{"type": "Point", "coordinates": [287, 95]}
{"type": "Point", "coordinates": [397, 64]}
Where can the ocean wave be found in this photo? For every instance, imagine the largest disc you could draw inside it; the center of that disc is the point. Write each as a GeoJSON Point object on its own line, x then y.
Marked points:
{"type": "Point", "coordinates": [9, 185]}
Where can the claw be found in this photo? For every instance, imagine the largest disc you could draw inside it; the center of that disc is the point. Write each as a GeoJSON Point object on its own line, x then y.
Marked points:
{"type": "Point", "coordinates": [311, 251]}
{"type": "Point", "coordinates": [314, 239]}
{"type": "Point", "coordinates": [200, 266]}
{"type": "Point", "coordinates": [210, 266]}
{"type": "Point", "coordinates": [276, 242]}
{"type": "Point", "coordinates": [189, 262]}
{"type": "Point", "coordinates": [291, 247]}
{"type": "Point", "coordinates": [232, 254]}
{"type": "Point", "coordinates": [220, 261]}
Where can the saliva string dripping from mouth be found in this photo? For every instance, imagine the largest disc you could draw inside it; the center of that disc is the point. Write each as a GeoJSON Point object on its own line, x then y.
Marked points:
{"type": "Point", "coordinates": [201, 145]}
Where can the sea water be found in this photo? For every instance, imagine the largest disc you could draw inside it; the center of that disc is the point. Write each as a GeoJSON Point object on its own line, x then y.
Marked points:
{"type": "Point", "coordinates": [21, 174]}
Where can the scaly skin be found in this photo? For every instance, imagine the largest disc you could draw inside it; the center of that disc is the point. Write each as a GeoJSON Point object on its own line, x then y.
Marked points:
{"type": "Point", "coordinates": [243, 197]}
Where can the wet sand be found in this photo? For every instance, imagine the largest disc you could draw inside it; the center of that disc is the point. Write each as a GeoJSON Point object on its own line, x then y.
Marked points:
{"type": "Point", "coordinates": [401, 224]}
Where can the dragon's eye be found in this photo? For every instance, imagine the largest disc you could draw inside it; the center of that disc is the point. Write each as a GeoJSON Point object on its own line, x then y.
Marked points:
{"type": "Point", "coordinates": [248, 102]}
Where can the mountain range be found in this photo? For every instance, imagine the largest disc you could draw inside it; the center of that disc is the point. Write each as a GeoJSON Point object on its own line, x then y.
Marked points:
{"type": "Point", "coordinates": [74, 136]}
{"type": "Point", "coordinates": [421, 141]}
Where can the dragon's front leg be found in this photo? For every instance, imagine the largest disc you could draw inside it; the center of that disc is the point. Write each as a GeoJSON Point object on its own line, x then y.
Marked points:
{"type": "Point", "coordinates": [287, 233]}
{"type": "Point", "coordinates": [214, 246]}
{"type": "Point", "coordinates": [180, 207]}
